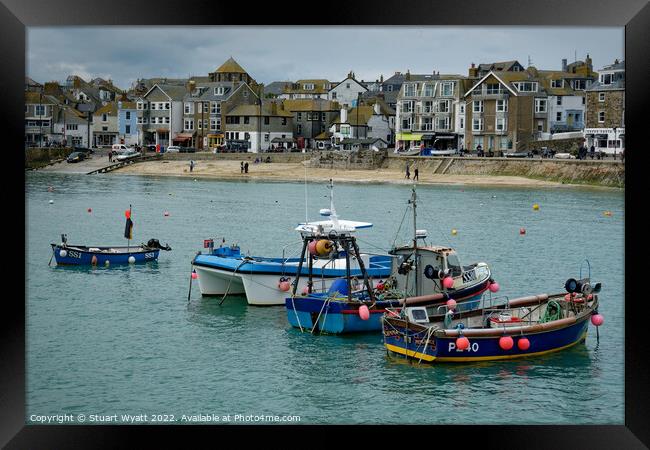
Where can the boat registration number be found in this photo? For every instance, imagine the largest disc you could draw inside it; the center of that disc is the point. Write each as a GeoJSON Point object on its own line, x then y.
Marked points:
{"type": "Point", "coordinates": [74, 254]}
{"type": "Point", "coordinates": [472, 348]}
{"type": "Point", "coordinates": [149, 255]}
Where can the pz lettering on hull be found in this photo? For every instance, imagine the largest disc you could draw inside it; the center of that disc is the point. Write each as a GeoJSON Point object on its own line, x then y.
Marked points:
{"type": "Point", "coordinates": [472, 348]}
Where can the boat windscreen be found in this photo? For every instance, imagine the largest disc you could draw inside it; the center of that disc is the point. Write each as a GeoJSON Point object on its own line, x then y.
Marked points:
{"type": "Point", "coordinates": [453, 264]}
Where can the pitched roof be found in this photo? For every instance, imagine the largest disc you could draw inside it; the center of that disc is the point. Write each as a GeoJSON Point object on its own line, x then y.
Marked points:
{"type": "Point", "coordinates": [325, 135]}
{"type": "Point", "coordinates": [310, 104]}
{"type": "Point", "coordinates": [174, 91]}
{"type": "Point", "coordinates": [127, 105]}
{"type": "Point", "coordinates": [230, 66]}
{"type": "Point", "coordinates": [36, 98]}
{"type": "Point", "coordinates": [321, 86]}
{"type": "Point", "coordinates": [503, 66]}
{"type": "Point", "coordinates": [108, 108]}
{"type": "Point", "coordinates": [254, 110]}
{"type": "Point", "coordinates": [276, 87]}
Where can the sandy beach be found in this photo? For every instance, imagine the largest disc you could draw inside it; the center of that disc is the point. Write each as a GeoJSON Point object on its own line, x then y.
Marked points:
{"type": "Point", "coordinates": [230, 170]}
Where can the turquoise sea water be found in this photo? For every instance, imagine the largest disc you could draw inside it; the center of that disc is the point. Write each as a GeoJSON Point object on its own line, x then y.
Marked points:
{"type": "Point", "coordinates": [125, 340]}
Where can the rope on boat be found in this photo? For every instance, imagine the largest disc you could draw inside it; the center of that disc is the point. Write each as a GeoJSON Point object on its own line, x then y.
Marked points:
{"type": "Point", "coordinates": [296, 313]}
{"type": "Point", "coordinates": [244, 261]}
{"type": "Point", "coordinates": [325, 303]}
{"type": "Point", "coordinates": [430, 332]}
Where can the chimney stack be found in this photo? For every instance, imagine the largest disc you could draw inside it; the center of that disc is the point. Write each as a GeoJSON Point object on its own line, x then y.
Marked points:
{"type": "Point", "coordinates": [564, 65]}
{"type": "Point", "coordinates": [344, 115]}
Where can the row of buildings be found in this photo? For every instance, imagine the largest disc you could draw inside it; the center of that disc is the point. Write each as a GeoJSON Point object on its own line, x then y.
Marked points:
{"type": "Point", "coordinates": [498, 106]}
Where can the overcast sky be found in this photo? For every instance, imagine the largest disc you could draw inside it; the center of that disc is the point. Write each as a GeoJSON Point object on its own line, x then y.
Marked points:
{"type": "Point", "coordinates": [268, 54]}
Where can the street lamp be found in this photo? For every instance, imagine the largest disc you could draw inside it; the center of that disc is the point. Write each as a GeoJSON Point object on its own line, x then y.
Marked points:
{"type": "Point", "coordinates": [615, 143]}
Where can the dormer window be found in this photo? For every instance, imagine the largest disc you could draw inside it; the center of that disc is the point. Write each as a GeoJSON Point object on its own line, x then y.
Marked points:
{"type": "Point", "coordinates": [219, 90]}
{"type": "Point", "coordinates": [557, 83]}
{"type": "Point", "coordinates": [308, 86]}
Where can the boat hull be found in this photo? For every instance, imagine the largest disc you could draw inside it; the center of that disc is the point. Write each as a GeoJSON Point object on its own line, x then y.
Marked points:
{"type": "Point", "coordinates": [72, 256]}
{"type": "Point", "coordinates": [482, 348]}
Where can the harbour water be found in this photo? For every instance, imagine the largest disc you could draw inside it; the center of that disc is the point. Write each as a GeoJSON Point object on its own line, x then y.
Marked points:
{"type": "Point", "coordinates": [125, 340]}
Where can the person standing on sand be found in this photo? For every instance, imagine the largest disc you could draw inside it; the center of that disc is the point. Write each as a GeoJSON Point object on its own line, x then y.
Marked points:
{"type": "Point", "coordinates": [191, 165]}
{"type": "Point", "coordinates": [110, 156]}
{"type": "Point", "coordinates": [408, 173]}
{"type": "Point", "coordinates": [241, 167]}
{"type": "Point", "coordinates": [416, 174]}
{"type": "Point", "coordinates": [246, 167]}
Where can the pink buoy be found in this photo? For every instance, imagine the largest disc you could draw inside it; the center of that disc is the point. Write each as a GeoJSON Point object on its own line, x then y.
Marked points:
{"type": "Point", "coordinates": [597, 320]}
{"type": "Point", "coordinates": [93, 260]}
{"type": "Point", "coordinates": [451, 303]}
{"type": "Point", "coordinates": [194, 275]}
{"type": "Point", "coordinates": [494, 287]}
{"type": "Point", "coordinates": [462, 343]}
{"type": "Point", "coordinates": [364, 313]}
{"type": "Point", "coordinates": [506, 342]}
{"type": "Point", "coordinates": [166, 214]}
{"type": "Point", "coordinates": [523, 344]}
{"type": "Point", "coordinates": [590, 296]}
{"type": "Point", "coordinates": [312, 247]}
{"type": "Point", "coordinates": [90, 210]}
{"type": "Point", "coordinates": [284, 286]}
{"type": "Point", "coordinates": [522, 231]}
{"type": "Point", "coordinates": [305, 290]}
{"type": "Point", "coordinates": [447, 282]}
{"type": "Point", "coordinates": [567, 297]}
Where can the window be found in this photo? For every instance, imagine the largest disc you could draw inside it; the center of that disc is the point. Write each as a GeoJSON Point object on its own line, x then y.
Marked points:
{"type": "Point", "coordinates": [31, 123]}
{"type": "Point", "coordinates": [232, 119]}
{"type": "Point", "coordinates": [477, 125]}
{"type": "Point", "coordinates": [493, 88]}
{"type": "Point", "coordinates": [309, 86]}
{"type": "Point", "coordinates": [501, 124]}
{"type": "Point", "coordinates": [559, 101]}
{"type": "Point", "coordinates": [461, 123]}
{"type": "Point", "coordinates": [218, 90]}
{"type": "Point", "coordinates": [502, 105]}
{"type": "Point", "coordinates": [409, 90]}
{"type": "Point", "coordinates": [166, 119]}
{"type": "Point", "coordinates": [540, 125]}
{"type": "Point", "coordinates": [266, 137]}
{"type": "Point", "coordinates": [462, 108]}
{"type": "Point", "coordinates": [443, 123]}
{"type": "Point", "coordinates": [167, 106]}
{"type": "Point", "coordinates": [104, 128]}
{"type": "Point", "coordinates": [601, 96]}
{"type": "Point", "coordinates": [406, 124]}
{"type": "Point", "coordinates": [427, 107]}
{"type": "Point", "coordinates": [299, 116]}
{"type": "Point", "coordinates": [128, 115]}
{"type": "Point", "coordinates": [215, 108]}
{"type": "Point", "coordinates": [206, 107]}
{"type": "Point", "coordinates": [427, 124]}
{"type": "Point", "coordinates": [540, 105]}
{"type": "Point", "coordinates": [334, 95]}
{"type": "Point", "coordinates": [104, 117]}
{"type": "Point", "coordinates": [299, 129]}
{"type": "Point", "coordinates": [139, 105]}
{"type": "Point", "coordinates": [447, 89]}
{"type": "Point", "coordinates": [407, 107]}
{"type": "Point", "coordinates": [606, 78]}
{"type": "Point", "coordinates": [558, 116]}
{"type": "Point", "coordinates": [154, 106]}
{"type": "Point", "coordinates": [322, 116]}
{"type": "Point", "coordinates": [526, 86]}
{"type": "Point", "coordinates": [478, 106]}
{"type": "Point", "coordinates": [583, 100]}
{"type": "Point", "coordinates": [188, 108]}
{"type": "Point", "coordinates": [557, 83]}
{"type": "Point", "coordinates": [284, 121]}
{"type": "Point", "coordinates": [189, 124]}
{"type": "Point", "coordinates": [601, 116]}
{"type": "Point", "coordinates": [139, 119]}
{"type": "Point", "coordinates": [71, 127]}
{"type": "Point", "coordinates": [428, 90]}
{"type": "Point", "coordinates": [347, 85]}
{"type": "Point", "coordinates": [580, 85]}
{"type": "Point", "coordinates": [128, 129]}
{"type": "Point", "coordinates": [443, 106]}
{"type": "Point", "coordinates": [199, 125]}
{"type": "Point", "coordinates": [267, 120]}
{"type": "Point", "coordinates": [247, 119]}
{"type": "Point", "coordinates": [213, 124]}
{"type": "Point", "coordinates": [39, 110]}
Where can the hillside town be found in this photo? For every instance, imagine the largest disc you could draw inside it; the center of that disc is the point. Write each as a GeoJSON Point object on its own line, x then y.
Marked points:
{"type": "Point", "coordinates": [496, 107]}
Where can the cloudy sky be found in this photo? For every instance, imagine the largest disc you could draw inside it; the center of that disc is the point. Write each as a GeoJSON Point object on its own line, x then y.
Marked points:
{"type": "Point", "coordinates": [124, 54]}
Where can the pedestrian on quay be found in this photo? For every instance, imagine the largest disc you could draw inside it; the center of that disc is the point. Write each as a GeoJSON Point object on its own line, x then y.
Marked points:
{"type": "Point", "coordinates": [110, 156]}
{"type": "Point", "coordinates": [246, 167]}
{"type": "Point", "coordinates": [416, 174]}
{"type": "Point", "coordinates": [592, 151]}
{"type": "Point", "coordinates": [191, 165]}
{"type": "Point", "coordinates": [408, 173]}
{"type": "Point", "coordinates": [241, 169]}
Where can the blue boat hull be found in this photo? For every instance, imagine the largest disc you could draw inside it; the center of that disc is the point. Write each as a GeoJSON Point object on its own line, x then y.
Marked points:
{"type": "Point", "coordinates": [341, 316]}
{"type": "Point", "coordinates": [443, 349]}
{"type": "Point", "coordinates": [77, 257]}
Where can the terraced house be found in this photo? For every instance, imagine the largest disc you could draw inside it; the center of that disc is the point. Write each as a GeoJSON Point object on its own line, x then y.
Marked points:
{"type": "Point", "coordinates": [311, 118]}
{"type": "Point", "coordinates": [431, 112]}
{"type": "Point", "coordinates": [365, 122]}
{"type": "Point", "coordinates": [505, 110]}
{"type": "Point", "coordinates": [258, 128]}
{"type": "Point", "coordinates": [40, 112]}
{"type": "Point", "coordinates": [104, 126]}
{"type": "Point", "coordinates": [313, 88]}
{"type": "Point", "coordinates": [160, 114]}
{"type": "Point", "coordinates": [605, 114]}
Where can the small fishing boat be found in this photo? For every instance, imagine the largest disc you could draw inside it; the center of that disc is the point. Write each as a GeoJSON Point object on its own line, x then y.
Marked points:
{"type": "Point", "coordinates": [68, 254]}
{"type": "Point", "coordinates": [413, 151]}
{"type": "Point", "coordinates": [498, 329]}
{"type": "Point", "coordinates": [266, 280]}
{"type": "Point", "coordinates": [420, 275]}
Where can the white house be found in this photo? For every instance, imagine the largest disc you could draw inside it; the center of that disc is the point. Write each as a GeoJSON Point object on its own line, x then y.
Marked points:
{"type": "Point", "coordinates": [347, 91]}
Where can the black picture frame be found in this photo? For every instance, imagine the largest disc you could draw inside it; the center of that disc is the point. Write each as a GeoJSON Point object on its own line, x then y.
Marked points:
{"type": "Point", "coordinates": [634, 15]}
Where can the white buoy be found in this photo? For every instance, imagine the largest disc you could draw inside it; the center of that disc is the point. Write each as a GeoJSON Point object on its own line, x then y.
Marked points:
{"type": "Point", "coordinates": [131, 259]}
{"type": "Point", "coordinates": [51, 201]}
{"type": "Point", "coordinates": [63, 253]}
{"type": "Point", "coordinates": [107, 263]}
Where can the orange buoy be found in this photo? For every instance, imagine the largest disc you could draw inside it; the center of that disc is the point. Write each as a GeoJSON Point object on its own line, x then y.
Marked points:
{"type": "Point", "coordinates": [324, 247]}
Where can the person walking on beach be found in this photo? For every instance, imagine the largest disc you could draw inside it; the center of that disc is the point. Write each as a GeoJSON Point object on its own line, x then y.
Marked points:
{"type": "Point", "coordinates": [408, 173]}
{"type": "Point", "coordinates": [246, 167]}
{"type": "Point", "coordinates": [416, 174]}
{"type": "Point", "coordinates": [241, 167]}
{"type": "Point", "coordinates": [191, 165]}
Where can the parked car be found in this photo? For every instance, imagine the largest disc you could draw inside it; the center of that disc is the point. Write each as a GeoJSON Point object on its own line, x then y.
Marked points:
{"type": "Point", "coordinates": [173, 149]}
{"type": "Point", "coordinates": [564, 156]}
{"type": "Point", "coordinates": [86, 151]}
{"type": "Point", "coordinates": [128, 154]}
{"type": "Point", "coordinates": [518, 154]}
{"type": "Point", "coordinates": [76, 157]}
{"type": "Point", "coordinates": [120, 148]}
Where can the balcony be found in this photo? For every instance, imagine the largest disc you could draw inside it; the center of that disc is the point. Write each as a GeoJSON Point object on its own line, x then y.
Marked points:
{"type": "Point", "coordinates": [485, 95]}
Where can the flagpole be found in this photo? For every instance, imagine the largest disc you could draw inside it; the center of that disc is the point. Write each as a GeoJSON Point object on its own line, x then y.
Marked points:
{"type": "Point", "coordinates": [128, 244]}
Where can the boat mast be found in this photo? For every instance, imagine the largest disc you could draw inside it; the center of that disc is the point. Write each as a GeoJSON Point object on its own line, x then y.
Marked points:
{"type": "Point", "coordinates": [415, 239]}
{"type": "Point", "coordinates": [333, 215]}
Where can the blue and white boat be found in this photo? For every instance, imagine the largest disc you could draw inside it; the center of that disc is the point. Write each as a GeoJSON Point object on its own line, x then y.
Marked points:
{"type": "Point", "coordinates": [429, 276]}
{"type": "Point", "coordinates": [267, 280]}
{"type": "Point", "coordinates": [102, 255]}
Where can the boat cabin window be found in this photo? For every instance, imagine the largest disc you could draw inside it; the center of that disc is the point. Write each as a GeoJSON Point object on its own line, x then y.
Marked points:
{"type": "Point", "coordinates": [453, 264]}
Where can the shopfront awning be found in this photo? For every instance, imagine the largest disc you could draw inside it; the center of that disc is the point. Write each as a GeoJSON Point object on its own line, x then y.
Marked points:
{"type": "Point", "coordinates": [408, 137]}
{"type": "Point", "coordinates": [215, 136]}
